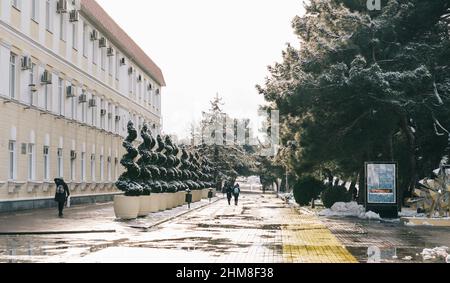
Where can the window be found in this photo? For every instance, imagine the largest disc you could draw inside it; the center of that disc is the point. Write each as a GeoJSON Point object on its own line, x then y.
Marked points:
{"type": "Point", "coordinates": [61, 97]}
{"type": "Point", "coordinates": [31, 163]}
{"type": "Point", "coordinates": [83, 167]}
{"type": "Point", "coordinates": [83, 111]}
{"type": "Point", "coordinates": [35, 10]}
{"type": "Point", "coordinates": [72, 169]}
{"type": "Point", "coordinates": [73, 107]}
{"type": "Point", "coordinates": [110, 65]}
{"type": "Point", "coordinates": [47, 97]}
{"type": "Point", "coordinates": [93, 114]}
{"type": "Point", "coordinates": [102, 116]}
{"type": "Point", "coordinates": [16, 4]}
{"type": "Point", "coordinates": [130, 82]}
{"type": "Point", "coordinates": [12, 75]}
{"type": "Point", "coordinates": [102, 168]}
{"type": "Point", "coordinates": [109, 169]}
{"type": "Point", "coordinates": [62, 27]}
{"type": "Point", "coordinates": [46, 163]}
{"type": "Point", "coordinates": [48, 15]}
{"type": "Point", "coordinates": [110, 117]}
{"type": "Point", "coordinates": [60, 163]}
{"type": "Point", "coordinates": [85, 39]}
{"type": "Point", "coordinates": [117, 65]}
{"type": "Point", "coordinates": [32, 76]}
{"type": "Point", "coordinates": [94, 52]}
{"type": "Point", "coordinates": [93, 167]}
{"type": "Point", "coordinates": [12, 160]}
{"type": "Point", "coordinates": [103, 58]}
{"type": "Point", "coordinates": [75, 35]}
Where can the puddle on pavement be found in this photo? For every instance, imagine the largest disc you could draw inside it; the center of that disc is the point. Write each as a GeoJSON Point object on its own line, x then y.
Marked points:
{"type": "Point", "coordinates": [389, 255]}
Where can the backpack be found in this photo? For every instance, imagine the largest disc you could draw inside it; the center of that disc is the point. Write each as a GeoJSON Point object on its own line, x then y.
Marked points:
{"type": "Point", "coordinates": [236, 191]}
{"type": "Point", "coordinates": [60, 190]}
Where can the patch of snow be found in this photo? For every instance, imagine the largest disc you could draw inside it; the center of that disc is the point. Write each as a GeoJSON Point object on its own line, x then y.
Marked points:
{"type": "Point", "coordinates": [407, 258]}
{"type": "Point", "coordinates": [440, 253]}
{"type": "Point", "coordinates": [447, 260]}
{"type": "Point", "coordinates": [410, 213]}
{"type": "Point", "coordinates": [349, 209]}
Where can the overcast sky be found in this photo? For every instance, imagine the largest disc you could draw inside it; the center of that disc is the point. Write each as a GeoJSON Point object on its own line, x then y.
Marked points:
{"type": "Point", "coordinates": [208, 46]}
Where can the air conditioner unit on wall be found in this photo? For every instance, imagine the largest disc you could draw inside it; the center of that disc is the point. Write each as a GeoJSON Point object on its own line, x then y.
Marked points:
{"type": "Point", "coordinates": [94, 35]}
{"type": "Point", "coordinates": [110, 52]}
{"type": "Point", "coordinates": [103, 112]}
{"type": "Point", "coordinates": [117, 118]}
{"type": "Point", "coordinates": [46, 78]}
{"type": "Point", "coordinates": [74, 16]}
{"type": "Point", "coordinates": [70, 91]}
{"type": "Point", "coordinates": [61, 6]}
{"type": "Point", "coordinates": [26, 63]}
{"type": "Point", "coordinates": [76, 4]}
{"type": "Point", "coordinates": [73, 154]}
{"type": "Point", "coordinates": [92, 103]}
{"type": "Point", "coordinates": [82, 98]}
{"type": "Point", "coordinates": [102, 42]}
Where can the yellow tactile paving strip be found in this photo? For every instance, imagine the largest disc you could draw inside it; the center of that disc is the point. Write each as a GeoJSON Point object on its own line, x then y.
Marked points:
{"type": "Point", "coordinates": [305, 239]}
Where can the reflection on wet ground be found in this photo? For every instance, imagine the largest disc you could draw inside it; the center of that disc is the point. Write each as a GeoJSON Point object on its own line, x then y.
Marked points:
{"type": "Point", "coordinates": [261, 229]}
{"type": "Point", "coordinates": [392, 241]}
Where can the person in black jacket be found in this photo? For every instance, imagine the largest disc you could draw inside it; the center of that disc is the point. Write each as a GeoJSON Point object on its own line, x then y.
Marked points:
{"type": "Point", "coordinates": [229, 190]}
{"type": "Point", "coordinates": [61, 195]}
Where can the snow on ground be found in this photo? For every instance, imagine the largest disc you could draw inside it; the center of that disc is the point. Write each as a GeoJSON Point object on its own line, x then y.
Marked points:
{"type": "Point", "coordinates": [436, 253]}
{"type": "Point", "coordinates": [350, 209]}
{"type": "Point", "coordinates": [410, 213]}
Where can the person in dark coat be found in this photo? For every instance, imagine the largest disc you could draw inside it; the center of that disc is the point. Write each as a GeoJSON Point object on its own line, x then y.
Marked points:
{"type": "Point", "coordinates": [224, 188]}
{"type": "Point", "coordinates": [61, 195]}
{"type": "Point", "coordinates": [236, 193]}
{"type": "Point", "coordinates": [229, 193]}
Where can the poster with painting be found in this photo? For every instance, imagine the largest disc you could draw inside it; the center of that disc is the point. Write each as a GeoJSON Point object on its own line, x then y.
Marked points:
{"type": "Point", "coordinates": [381, 183]}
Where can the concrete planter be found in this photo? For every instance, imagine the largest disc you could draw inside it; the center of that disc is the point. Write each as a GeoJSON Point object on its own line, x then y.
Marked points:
{"type": "Point", "coordinates": [196, 196]}
{"type": "Point", "coordinates": [154, 203]}
{"type": "Point", "coordinates": [144, 206]}
{"type": "Point", "coordinates": [163, 201]}
{"type": "Point", "coordinates": [181, 198]}
{"type": "Point", "coordinates": [126, 207]}
{"type": "Point", "coordinates": [171, 200]}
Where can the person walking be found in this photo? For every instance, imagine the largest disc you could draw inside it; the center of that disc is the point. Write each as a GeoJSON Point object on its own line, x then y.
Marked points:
{"type": "Point", "coordinates": [61, 195]}
{"type": "Point", "coordinates": [236, 193]}
{"type": "Point", "coordinates": [224, 188]}
{"type": "Point", "coordinates": [229, 193]}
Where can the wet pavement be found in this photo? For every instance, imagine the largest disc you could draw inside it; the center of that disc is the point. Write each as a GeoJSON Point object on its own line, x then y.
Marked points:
{"type": "Point", "coordinates": [261, 229]}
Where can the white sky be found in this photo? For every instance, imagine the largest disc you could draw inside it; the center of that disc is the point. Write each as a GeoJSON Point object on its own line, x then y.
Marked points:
{"type": "Point", "coordinates": [208, 46]}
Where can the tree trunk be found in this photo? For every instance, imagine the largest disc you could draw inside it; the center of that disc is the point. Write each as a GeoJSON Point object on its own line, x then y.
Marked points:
{"type": "Point", "coordinates": [362, 185]}
{"type": "Point", "coordinates": [412, 156]}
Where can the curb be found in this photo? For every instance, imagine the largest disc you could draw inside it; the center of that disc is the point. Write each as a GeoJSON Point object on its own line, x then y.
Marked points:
{"type": "Point", "coordinates": [55, 232]}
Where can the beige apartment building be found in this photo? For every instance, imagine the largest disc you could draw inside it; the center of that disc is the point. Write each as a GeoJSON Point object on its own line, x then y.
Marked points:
{"type": "Point", "coordinates": [70, 80]}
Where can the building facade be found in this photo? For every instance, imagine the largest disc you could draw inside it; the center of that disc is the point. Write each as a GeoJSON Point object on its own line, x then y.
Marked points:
{"type": "Point", "coordinates": [70, 80]}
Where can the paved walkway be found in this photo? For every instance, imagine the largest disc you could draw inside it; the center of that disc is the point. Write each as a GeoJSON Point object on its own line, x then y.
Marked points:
{"type": "Point", "coordinates": [262, 229]}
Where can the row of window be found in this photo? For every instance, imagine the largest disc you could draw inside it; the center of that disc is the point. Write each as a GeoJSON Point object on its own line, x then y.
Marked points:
{"type": "Point", "coordinates": [140, 89]}
{"type": "Point", "coordinates": [83, 108]}
{"type": "Point", "coordinates": [107, 165]}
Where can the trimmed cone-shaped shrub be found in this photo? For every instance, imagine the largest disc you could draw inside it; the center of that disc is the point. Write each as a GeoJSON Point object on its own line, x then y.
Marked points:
{"type": "Point", "coordinates": [306, 189]}
{"type": "Point", "coordinates": [128, 181]}
{"type": "Point", "coordinates": [334, 194]}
